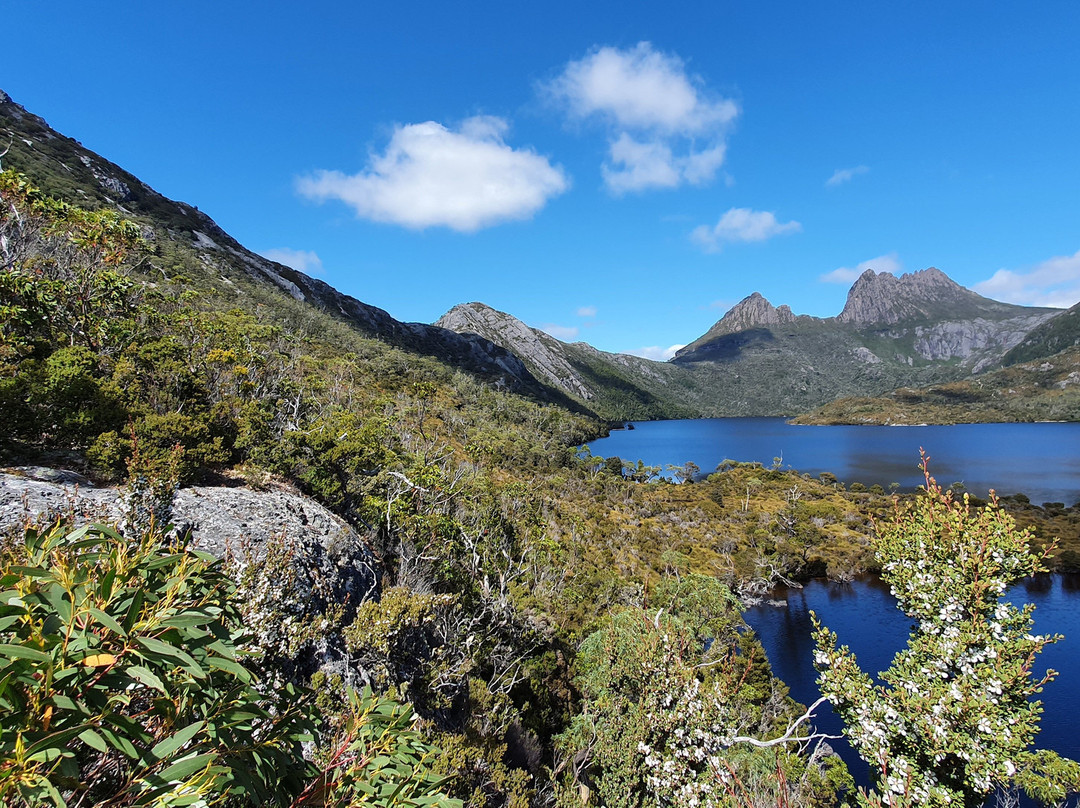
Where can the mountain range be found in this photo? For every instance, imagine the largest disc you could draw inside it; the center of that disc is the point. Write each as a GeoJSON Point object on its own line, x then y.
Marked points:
{"type": "Point", "coordinates": [916, 330]}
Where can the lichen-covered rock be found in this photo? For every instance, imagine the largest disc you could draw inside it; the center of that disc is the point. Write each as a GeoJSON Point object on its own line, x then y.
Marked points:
{"type": "Point", "coordinates": [299, 565]}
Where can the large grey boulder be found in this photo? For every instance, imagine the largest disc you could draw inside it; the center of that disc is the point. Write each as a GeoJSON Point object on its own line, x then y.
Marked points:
{"type": "Point", "coordinates": [297, 561]}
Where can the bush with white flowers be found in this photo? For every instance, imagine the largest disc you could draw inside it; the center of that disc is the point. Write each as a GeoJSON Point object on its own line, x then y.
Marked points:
{"type": "Point", "coordinates": [955, 714]}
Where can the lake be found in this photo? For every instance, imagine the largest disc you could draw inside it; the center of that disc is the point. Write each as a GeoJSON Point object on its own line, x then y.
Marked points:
{"type": "Point", "coordinates": [1039, 460]}
{"type": "Point", "coordinates": [864, 616]}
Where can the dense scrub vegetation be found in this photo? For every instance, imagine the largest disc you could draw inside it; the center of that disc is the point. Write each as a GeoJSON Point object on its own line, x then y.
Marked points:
{"type": "Point", "coordinates": [529, 593]}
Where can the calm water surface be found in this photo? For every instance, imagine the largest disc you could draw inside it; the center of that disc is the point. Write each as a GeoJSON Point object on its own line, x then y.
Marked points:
{"type": "Point", "coordinates": [865, 617]}
{"type": "Point", "coordinates": [1040, 460]}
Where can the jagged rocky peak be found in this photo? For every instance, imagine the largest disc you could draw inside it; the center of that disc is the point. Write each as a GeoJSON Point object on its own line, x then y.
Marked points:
{"type": "Point", "coordinates": [754, 312]}
{"type": "Point", "coordinates": [498, 326]}
{"type": "Point", "coordinates": [542, 354]}
{"type": "Point", "coordinates": [880, 298]}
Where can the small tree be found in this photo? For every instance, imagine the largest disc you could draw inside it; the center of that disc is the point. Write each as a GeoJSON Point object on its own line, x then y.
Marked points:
{"type": "Point", "coordinates": [686, 472]}
{"type": "Point", "coordinates": [955, 716]}
{"type": "Point", "coordinates": [666, 697]}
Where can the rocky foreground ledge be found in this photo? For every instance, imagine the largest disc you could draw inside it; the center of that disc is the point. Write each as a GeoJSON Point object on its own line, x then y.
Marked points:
{"type": "Point", "coordinates": [330, 562]}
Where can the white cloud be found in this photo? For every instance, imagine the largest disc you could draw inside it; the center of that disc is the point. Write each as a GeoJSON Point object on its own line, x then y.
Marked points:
{"type": "Point", "coordinates": [664, 128]}
{"type": "Point", "coordinates": [635, 166]}
{"type": "Point", "coordinates": [842, 175]}
{"type": "Point", "coordinates": [563, 332]}
{"type": "Point", "coordinates": [655, 352]}
{"type": "Point", "coordinates": [742, 224]}
{"type": "Point", "coordinates": [883, 263]}
{"type": "Point", "coordinates": [1055, 283]}
{"type": "Point", "coordinates": [306, 261]}
{"type": "Point", "coordinates": [432, 176]}
{"type": "Point", "coordinates": [586, 311]}
{"type": "Point", "coordinates": [640, 88]}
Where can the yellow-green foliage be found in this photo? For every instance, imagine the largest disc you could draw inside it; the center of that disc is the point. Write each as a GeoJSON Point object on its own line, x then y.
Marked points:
{"type": "Point", "coordinates": [122, 683]}
{"type": "Point", "coordinates": [666, 698]}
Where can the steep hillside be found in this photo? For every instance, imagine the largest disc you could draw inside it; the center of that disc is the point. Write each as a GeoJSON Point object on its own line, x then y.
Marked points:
{"type": "Point", "coordinates": [1056, 334]}
{"type": "Point", "coordinates": [615, 386]}
{"type": "Point", "coordinates": [1040, 390]}
{"type": "Point", "coordinates": [187, 241]}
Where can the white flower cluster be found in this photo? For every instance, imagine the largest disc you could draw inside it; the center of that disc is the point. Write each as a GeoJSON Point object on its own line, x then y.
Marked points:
{"type": "Point", "coordinates": [945, 727]}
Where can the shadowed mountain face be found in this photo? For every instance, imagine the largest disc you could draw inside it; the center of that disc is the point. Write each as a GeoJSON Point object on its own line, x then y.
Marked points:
{"type": "Point", "coordinates": [915, 330]}
{"type": "Point", "coordinates": [921, 319]}
{"type": "Point", "coordinates": [1056, 334]}
{"type": "Point", "coordinates": [62, 167]}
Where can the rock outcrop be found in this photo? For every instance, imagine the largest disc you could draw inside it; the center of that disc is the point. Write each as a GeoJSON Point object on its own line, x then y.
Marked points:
{"type": "Point", "coordinates": [541, 352]}
{"type": "Point", "coordinates": [329, 562]}
{"type": "Point", "coordinates": [754, 312]}
{"type": "Point", "coordinates": [881, 299]}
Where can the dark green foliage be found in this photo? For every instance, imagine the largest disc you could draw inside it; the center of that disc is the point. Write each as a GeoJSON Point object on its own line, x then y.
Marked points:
{"type": "Point", "coordinates": [123, 679]}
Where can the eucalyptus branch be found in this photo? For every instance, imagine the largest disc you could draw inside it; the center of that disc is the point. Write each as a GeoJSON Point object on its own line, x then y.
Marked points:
{"type": "Point", "coordinates": [789, 736]}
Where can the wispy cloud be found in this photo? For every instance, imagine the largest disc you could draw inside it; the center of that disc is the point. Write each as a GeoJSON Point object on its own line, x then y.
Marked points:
{"type": "Point", "coordinates": [563, 332]}
{"type": "Point", "coordinates": [433, 176]}
{"type": "Point", "coordinates": [306, 261]}
{"type": "Point", "coordinates": [1054, 282]}
{"type": "Point", "coordinates": [742, 225]}
{"type": "Point", "coordinates": [665, 129]}
{"type": "Point", "coordinates": [883, 263]}
{"type": "Point", "coordinates": [586, 311]}
{"type": "Point", "coordinates": [722, 304]}
{"type": "Point", "coordinates": [655, 352]}
{"type": "Point", "coordinates": [842, 175]}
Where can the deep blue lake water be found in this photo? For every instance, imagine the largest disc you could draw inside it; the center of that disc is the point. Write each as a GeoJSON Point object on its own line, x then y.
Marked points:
{"type": "Point", "coordinates": [1040, 460]}
{"type": "Point", "coordinates": [864, 616]}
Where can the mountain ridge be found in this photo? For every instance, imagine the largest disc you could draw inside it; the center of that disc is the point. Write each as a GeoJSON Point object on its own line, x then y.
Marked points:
{"type": "Point", "coordinates": [63, 167]}
{"type": "Point", "coordinates": [916, 330]}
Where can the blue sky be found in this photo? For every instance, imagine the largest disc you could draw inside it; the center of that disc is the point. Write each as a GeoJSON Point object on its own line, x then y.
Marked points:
{"type": "Point", "coordinates": [619, 173]}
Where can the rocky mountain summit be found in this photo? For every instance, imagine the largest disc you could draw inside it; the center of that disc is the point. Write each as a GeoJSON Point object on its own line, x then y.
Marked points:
{"type": "Point", "coordinates": [614, 386]}
{"type": "Point", "coordinates": [538, 350]}
{"type": "Point", "coordinates": [916, 318]}
{"type": "Point", "coordinates": [877, 299]}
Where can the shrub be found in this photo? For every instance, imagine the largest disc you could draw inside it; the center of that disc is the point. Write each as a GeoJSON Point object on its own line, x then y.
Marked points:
{"type": "Point", "coordinates": [122, 680]}
{"type": "Point", "coordinates": [956, 714]}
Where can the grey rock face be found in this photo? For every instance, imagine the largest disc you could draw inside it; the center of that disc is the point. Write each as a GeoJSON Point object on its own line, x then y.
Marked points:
{"type": "Point", "coordinates": [864, 354]}
{"type": "Point", "coordinates": [753, 312]}
{"type": "Point", "coordinates": [537, 349]}
{"type": "Point", "coordinates": [884, 299]}
{"type": "Point", "coordinates": [968, 338]}
{"type": "Point", "coordinates": [330, 562]}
